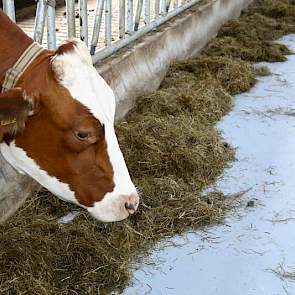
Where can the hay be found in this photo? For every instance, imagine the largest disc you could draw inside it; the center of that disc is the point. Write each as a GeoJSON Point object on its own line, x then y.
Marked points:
{"type": "Point", "coordinates": [183, 93]}
{"type": "Point", "coordinates": [173, 152]}
{"type": "Point", "coordinates": [251, 37]}
{"type": "Point", "coordinates": [284, 273]}
{"type": "Point", "coordinates": [253, 51]}
{"type": "Point", "coordinates": [177, 146]}
{"type": "Point", "coordinates": [234, 75]}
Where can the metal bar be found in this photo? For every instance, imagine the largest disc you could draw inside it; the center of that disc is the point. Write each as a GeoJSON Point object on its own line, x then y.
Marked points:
{"type": "Point", "coordinates": [138, 14]}
{"type": "Point", "coordinates": [164, 7]}
{"type": "Point", "coordinates": [83, 21]}
{"type": "Point", "coordinates": [147, 9]}
{"type": "Point", "coordinates": [41, 13]}
{"type": "Point", "coordinates": [106, 52]}
{"type": "Point", "coordinates": [96, 25]}
{"type": "Point", "coordinates": [51, 30]}
{"type": "Point", "coordinates": [70, 5]}
{"type": "Point", "coordinates": [175, 4]}
{"type": "Point", "coordinates": [8, 7]}
{"type": "Point", "coordinates": [130, 16]}
{"type": "Point", "coordinates": [168, 2]}
{"type": "Point", "coordinates": [108, 22]}
{"type": "Point", "coordinates": [157, 8]}
{"type": "Point", "coordinates": [122, 19]}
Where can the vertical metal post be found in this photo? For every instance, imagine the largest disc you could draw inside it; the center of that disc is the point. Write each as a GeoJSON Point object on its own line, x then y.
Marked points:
{"type": "Point", "coordinates": [8, 7]}
{"type": "Point", "coordinates": [122, 14]}
{"type": "Point", "coordinates": [51, 31]}
{"type": "Point", "coordinates": [70, 5]}
{"type": "Point", "coordinates": [40, 20]}
{"type": "Point", "coordinates": [157, 8]}
{"type": "Point", "coordinates": [164, 7]}
{"type": "Point", "coordinates": [147, 10]}
{"type": "Point", "coordinates": [138, 14]}
{"type": "Point", "coordinates": [130, 16]}
{"type": "Point", "coordinates": [96, 25]}
{"type": "Point", "coordinates": [175, 4]}
{"type": "Point", "coordinates": [168, 2]}
{"type": "Point", "coordinates": [108, 22]}
{"type": "Point", "coordinates": [83, 21]}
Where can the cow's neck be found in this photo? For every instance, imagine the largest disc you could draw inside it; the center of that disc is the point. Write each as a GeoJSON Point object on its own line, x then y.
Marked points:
{"type": "Point", "coordinates": [13, 42]}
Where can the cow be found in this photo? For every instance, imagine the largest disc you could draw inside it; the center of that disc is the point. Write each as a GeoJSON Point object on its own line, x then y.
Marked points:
{"type": "Point", "coordinates": [57, 126]}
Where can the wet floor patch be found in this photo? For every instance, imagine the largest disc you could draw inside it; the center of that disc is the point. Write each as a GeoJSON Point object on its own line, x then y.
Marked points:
{"type": "Point", "coordinates": [253, 253]}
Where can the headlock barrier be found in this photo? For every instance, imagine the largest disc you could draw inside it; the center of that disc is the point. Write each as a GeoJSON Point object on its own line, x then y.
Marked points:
{"type": "Point", "coordinates": [122, 21]}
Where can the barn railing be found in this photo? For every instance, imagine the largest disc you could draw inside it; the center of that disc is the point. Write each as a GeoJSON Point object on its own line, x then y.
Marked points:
{"type": "Point", "coordinates": [121, 21]}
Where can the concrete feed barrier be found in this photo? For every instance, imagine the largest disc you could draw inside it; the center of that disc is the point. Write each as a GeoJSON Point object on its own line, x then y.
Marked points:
{"type": "Point", "coordinates": [14, 189]}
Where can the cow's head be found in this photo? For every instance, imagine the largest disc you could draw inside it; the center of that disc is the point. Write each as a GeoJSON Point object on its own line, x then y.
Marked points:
{"type": "Point", "coordinates": [58, 127]}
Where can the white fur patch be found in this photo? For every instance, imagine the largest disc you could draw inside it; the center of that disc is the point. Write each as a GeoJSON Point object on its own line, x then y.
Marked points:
{"type": "Point", "coordinates": [18, 159]}
{"type": "Point", "coordinates": [75, 71]}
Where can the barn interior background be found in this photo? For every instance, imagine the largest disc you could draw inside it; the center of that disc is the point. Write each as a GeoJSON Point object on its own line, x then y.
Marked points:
{"type": "Point", "coordinates": [106, 25]}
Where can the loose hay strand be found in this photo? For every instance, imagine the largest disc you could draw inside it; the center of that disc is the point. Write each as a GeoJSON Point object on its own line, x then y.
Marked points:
{"type": "Point", "coordinates": [173, 152]}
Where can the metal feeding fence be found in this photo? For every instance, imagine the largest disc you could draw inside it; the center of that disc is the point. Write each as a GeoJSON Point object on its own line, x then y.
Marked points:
{"type": "Point", "coordinates": [104, 25]}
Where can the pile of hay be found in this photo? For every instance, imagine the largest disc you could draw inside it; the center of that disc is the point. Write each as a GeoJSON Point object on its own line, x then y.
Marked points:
{"type": "Point", "coordinates": [251, 37]}
{"type": "Point", "coordinates": [173, 152]}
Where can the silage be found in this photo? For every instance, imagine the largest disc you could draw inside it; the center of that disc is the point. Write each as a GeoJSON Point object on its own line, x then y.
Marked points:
{"type": "Point", "coordinates": [173, 152]}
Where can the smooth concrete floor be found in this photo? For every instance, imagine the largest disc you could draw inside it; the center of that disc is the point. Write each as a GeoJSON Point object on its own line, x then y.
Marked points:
{"type": "Point", "coordinates": [242, 256]}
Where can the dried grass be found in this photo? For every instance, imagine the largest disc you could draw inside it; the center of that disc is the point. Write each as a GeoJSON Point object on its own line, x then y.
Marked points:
{"type": "Point", "coordinates": [173, 152]}
{"type": "Point", "coordinates": [284, 273]}
{"type": "Point", "coordinates": [251, 37]}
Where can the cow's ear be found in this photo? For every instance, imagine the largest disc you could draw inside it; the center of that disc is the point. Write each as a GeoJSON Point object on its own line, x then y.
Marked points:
{"type": "Point", "coordinates": [15, 107]}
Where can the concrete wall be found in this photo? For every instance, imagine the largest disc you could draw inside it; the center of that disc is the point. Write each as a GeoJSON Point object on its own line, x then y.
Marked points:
{"type": "Point", "coordinates": [14, 189]}
{"type": "Point", "coordinates": [136, 71]}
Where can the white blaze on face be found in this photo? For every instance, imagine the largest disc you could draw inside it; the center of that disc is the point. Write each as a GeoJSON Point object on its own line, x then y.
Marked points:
{"type": "Point", "coordinates": [75, 71]}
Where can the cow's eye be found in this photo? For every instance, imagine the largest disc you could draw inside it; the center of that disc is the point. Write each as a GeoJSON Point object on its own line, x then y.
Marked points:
{"type": "Point", "coordinates": [82, 135]}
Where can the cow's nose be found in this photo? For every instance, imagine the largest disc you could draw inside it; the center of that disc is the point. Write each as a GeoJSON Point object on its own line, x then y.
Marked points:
{"type": "Point", "coordinates": [132, 203]}
{"type": "Point", "coordinates": [130, 207]}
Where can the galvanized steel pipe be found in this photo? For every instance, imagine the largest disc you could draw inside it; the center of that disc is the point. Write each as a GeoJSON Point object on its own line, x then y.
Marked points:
{"type": "Point", "coordinates": [108, 22]}
{"type": "Point", "coordinates": [147, 10]}
{"type": "Point", "coordinates": [40, 19]}
{"type": "Point", "coordinates": [122, 16]}
{"type": "Point", "coordinates": [83, 21]}
{"type": "Point", "coordinates": [96, 25]}
{"type": "Point", "coordinates": [51, 30]}
{"type": "Point", "coordinates": [70, 6]}
{"type": "Point", "coordinates": [157, 8]}
{"type": "Point", "coordinates": [130, 16]}
{"type": "Point", "coordinates": [8, 8]}
{"type": "Point", "coordinates": [106, 52]}
{"type": "Point", "coordinates": [138, 14]}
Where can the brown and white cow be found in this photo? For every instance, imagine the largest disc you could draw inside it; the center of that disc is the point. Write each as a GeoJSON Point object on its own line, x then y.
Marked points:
{"type": "Point", "coordinates": [58, 127]}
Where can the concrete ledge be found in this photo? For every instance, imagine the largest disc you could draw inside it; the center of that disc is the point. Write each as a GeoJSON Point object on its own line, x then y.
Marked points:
{"type": "Point", "coordinates": [139, 70]}
{"type": "Point", "coordinates": [14, 189]}
{"type": "Point", "coordinates": [136, 71]}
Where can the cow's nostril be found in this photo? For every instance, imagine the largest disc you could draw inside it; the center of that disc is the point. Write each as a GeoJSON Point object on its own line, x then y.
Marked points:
{"type": "Point", "coordinates": [130, 207]}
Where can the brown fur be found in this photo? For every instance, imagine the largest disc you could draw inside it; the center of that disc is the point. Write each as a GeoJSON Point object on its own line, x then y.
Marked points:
{"type": "Point", "coordinates": [14, 110]}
